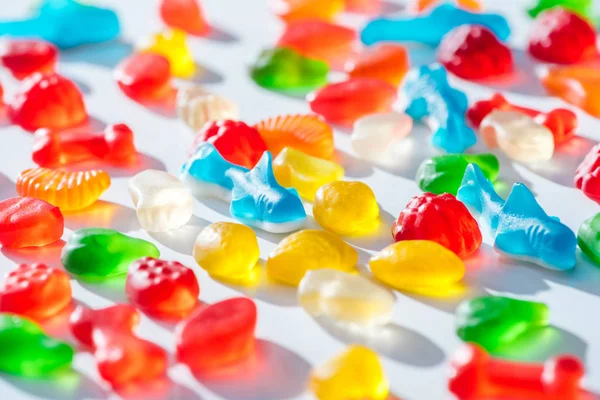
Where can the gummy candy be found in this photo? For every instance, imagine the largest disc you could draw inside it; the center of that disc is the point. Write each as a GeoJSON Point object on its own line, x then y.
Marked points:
{"type": "Point", "coordinates": [162, 288]}
{"type": "Point", "coordinates": [354, 374]}
{"type": "Point", "coordinates": [296, 10]}
{"type": "Point", "coordinates": [588, 238]}
{"type": "Point", "coordinates": [171, 44]}
{"type": "Point", "coordinates": [374, 134]}
{"type": "Point", "coordinates": [520, 227]}
{"type": "Point", "coordinates": [308, 250]}
{"type": "Point", "coordinates": [346, 298]}
{"type": "Point", "coordinates": [429, 94]}
{"type": "Point", "coordinates": [47, 101]}
{"type": "Point", "coordinates": [186, 15]}
{"type": "Point", "coordinates": [387, 62]}
{"type": "Point", "coordinates": [562, 37]}
{"type": "Point", "coordinates": [578, 85]}
{"type": "Point", "coordinates": [444, 173]}
{"type": "Point", "coordinates": [345, 102]}
{"type": "Point", "coordinates": [196, 107]}
{"type": "Point", "coordinates": [307, 133]}
{"type": "Point", "coordinates": [27, 351]}
{"type": "Point", "coordinates": [518, 136]}
{"type": "Point", "coordinates": [27, 221]}
{"type": "Point", "coordinates": [84, 321]}
{"type": "Point", "coordinates": [473, 52]}
{"type": "Point", "coordinates": [346, 208]}
{"type": "Point", "coordinates": [66, 23]}
{"type": "Point", "coordinates": [287, 70]}
{"type": "Point", "coordinates": [162, 202]}
{"type": "Point", "coordinates": [99, 253]}
{"type": "Point", "coordinates": [581, 7]}
{"type": "Point", "coordinates": [227, 251]}
{"type": "Point", "coordinates": [414, 265]}
{"type": "Point", "coordinates": [113, 145]}
{"type": "Point", "coordinates": [369, 7]}
{"type": "Point", "coordinates": [144, 77]}
{"type": "Point", "coordinates": [68, 190]}
{"type": "Point", "coordinates": [304, 173]}
{"type": "Point", "coordinates": [587, 176]}
{"type": "Point", "coordinates": [422, 5]}
{"type": "Point", "coordinates": [25, 57]}
{"type": "Point", "coordinates": [431, 28]}
{"type": "Point", "coordinates": [217, 336]}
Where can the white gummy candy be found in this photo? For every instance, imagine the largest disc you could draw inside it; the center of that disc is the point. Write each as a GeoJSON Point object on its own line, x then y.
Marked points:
{"type": "Point", "coordinates": [373, 135]}
{"type": "Point", "coordinates": [196, 107]}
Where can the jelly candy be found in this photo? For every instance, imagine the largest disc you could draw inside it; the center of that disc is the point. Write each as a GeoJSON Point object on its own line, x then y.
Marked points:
{"type": "Point", "coordinates": [227, 251]}
{"type": "Point", "coordinates": [345, 102]}
{"type": "Point", "coordinates": [68, 190]}
{"type": "Point", "coordinates": [66, 23]}
{"type": "Point", "coordinates": [578, 85]}
{"type": "Point", "coordinates": [171, 44]}
{"type": "Point", "coordinates": [374, 134]}
{"type": "Point", "coordinates": [304, 173]}
{"type": "Point", "coordinates": [113, 145]}
{"type": "Point", "coordinates": [84, 321]}
{"type": "Point", "coordinates": [581, 7]}
{"type": "Point", "coordinates": [346, 208]}
{"type": "Point", "coordinates": [236, 142]}
{"type": "Point", "coordinates": [355, 374]}
{"type": "Point", "coordinates": [258, 200]}
{"type": "Point", "coordinates": [287, 70]}
{"type": "Point", "coordinates": [422, 5]}
{"type": "Point", "coordinates": [521, 229]}
{"type": "Point", "coordinates": [47, 101]}
{"type": "Point", "coordinates": [185, 15]}
{"type": "Point", "coordinates": [217, 336]}
{"type": "Point", "coordinates": [473, 52]}
{"type": "Point", "coordinates": [495, 321]}
{"type": "Point", "coordinates": [24, 57]}
{"type": "Point", "coordinates": [162, 202]}
{"type": "Point", "coordinates": [444, 173]}
{"type": "Point", "coordinates": [144, 77]}
{"type": "Point", "coordinates": [431, 28]}
{"type": "Point", "coordinates": [196, 107]}
{"type": "Point", "coordinates": [475, 375]}
{"type": "Point", "coordinates": [296, 10]}
{"type": "Point", "coordinates": [162, 288]}
{"type": "Point", "coordinates": [414, 265]}
{"type": "Point", "coordinates": [27, 351]}
{"type": "Point", "coordinates": [27, 221]}
{"type": "Point", "coordinates": [588, 238]}
{"type": "Point", "coordinates": [587, 176]}
{"type": "Point", "coordinates": [308, 250]}
{"type": "Point", "coordinates": [369, 7]}
{"type": "Point", "coordinates": [99, 253]}
{"type": "Point", "coordinates": [518, 136]}
{"type": "Point", "coordinates": [346, 298]}
{"type": "Point", "coordinates": [429, 94]}
{"type": "Point", "coordinates": [387, 62]}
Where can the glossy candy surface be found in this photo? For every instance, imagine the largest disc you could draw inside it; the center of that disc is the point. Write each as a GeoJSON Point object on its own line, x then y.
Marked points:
{"type": "Point", "coordinates": [186, 15]}
{"type": "Point", "coordinates": [144, 77]}
{"type": "Point", "coordinates": [588, 238]}
{"type": "Point", "coordinates": [373, 135]}
{"type": "Point", "coordinates": [119, 317]}
{"type": "Point", "coordinates": [581, 7]}
{"type": "Point", "coordinates": [587, 175]}
{"type": "Point", "coordinates": [171, 44]}
{"type": "Point", "coordinates": [387, 62]}
{"type": "Point", "coordinates": [27, 221]}
{"type": "Point", "coordinates": [297, 10]}
{"type": "Point", "coordinates": [578, 85]}
{"type": "Point", "coordinates": [196, 107]}
{"type": "Point", "coordinates": [25, 57]}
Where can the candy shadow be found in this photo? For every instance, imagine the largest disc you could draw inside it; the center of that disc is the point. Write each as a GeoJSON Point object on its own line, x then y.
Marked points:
{"type": "Point", "coordinates": [181, 239]}
{"type": "Point", "coordinates": [104, 214]}
{"type": "Point", "coordinates": [158, 389]}
{"type": "Point", "coordinates": [206, 75]}
{"type": "Point", "coordinates": [388, 7]}
{"type": "Point", "coordinates": [48, 254]}
{"type": "Point", "coordinates": [106, 55]}
{"type": "Point", "coordinates": [127, 169]}
{"type": "Point", "coordinates": [218, 34]}
{"type": "Point", "coordinates": [7, 187]}
{"type": "Point", "coordinates": [354, 167]}
{"type": "Point", "coordinates": [523, 80]}
{"type": "Point", "coordinates": [66, 385]}
{"type": "Point", "coordinates": [112, 289]}
{"type": "Point", "coordinates": [83, 87]}
{"type": "Point", "coordinates": [379, 239]}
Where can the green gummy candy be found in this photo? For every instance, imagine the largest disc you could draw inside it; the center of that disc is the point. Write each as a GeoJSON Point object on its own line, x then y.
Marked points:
{"type": "Point", "coordinates": [98, 253]}
{"type": "Point", "coordinates": [588, 238]}
{"type": "Point", "coordinates": [584, 8]}
{"type": "Point", "coordinates": [443, 174]}
{"type": "Point", "coordinates": [26, 350]}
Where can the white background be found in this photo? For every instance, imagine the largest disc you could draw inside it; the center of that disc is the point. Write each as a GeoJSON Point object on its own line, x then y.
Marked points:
{"type": "Point", "coordinates": [416, 348]}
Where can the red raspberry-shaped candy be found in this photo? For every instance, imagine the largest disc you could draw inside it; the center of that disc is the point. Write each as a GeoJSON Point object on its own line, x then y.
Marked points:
{"type": "Point", "coordinates": [439, 218]}
{"type": "Point", "coordinates": [144, 76]}
{"type": "Point", "coordinates": [234, 140]}
{"type": "Point", "coordinates": [474, 52]}
{"type": "Point", "coordinates": [562, 37]}
{"type": "Point", "coordinates": [120, 317]}
{"type": "Point", "coordinates": [587, 176]}
{"type": "Point", "coordinates": [24, 57]}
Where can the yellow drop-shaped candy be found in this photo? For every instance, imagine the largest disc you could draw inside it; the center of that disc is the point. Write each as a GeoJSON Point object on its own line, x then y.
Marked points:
{"type": "Point", "coordinates": [171, 45]}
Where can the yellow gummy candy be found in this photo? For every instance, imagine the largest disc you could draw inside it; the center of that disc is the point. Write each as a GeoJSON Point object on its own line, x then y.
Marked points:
{"type": "Point", "coordinates": [171, 45]}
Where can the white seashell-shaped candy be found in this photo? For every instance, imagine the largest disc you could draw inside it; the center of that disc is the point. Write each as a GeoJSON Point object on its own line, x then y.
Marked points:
{"type": "Point", "coordinates": [374, 134]}
{"type": "Point", "coordinates": [196, 107]}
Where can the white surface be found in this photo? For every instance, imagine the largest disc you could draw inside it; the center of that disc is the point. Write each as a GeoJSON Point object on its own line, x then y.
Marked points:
{"type": "Point", "coordinates": [416, 348]}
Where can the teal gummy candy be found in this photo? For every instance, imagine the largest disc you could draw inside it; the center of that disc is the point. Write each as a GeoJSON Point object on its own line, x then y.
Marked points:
{"type": "Point", "coordinates": [583, 8]}
{"type": "Point", "coordinates": [588, 238]}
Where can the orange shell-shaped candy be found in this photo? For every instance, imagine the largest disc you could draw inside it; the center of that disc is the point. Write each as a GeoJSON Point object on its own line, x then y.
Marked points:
{"type": "Point", "coordinates": [387, 62]}
{"type": "Point", "coordinates": [422, 5]}
{"type": "Point", "coordinates": [297, 10]}
{"type": "Point", "coordinates": [577, 84]}
{"type": "Point", "coordinates": [68, 190]}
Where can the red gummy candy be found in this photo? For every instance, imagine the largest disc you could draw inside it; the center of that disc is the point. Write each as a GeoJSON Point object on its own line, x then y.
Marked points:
{"type": "Point", "coordinates": [47, 101]}
{"type": "Point", "coordinates": [439, 218]}
{"type": "Point", "coordinates": [24, 57]}
{"type": "Point", "coordinates": [36, 291]}
{"type": "Point", "coordinates": [120, 317]}
{"type": "Point", "coordinates": [562, 37]}
{"type": "Point", "coordinates": [236, 142]}
{"type": "Point", "coordinates": [186, 15]}
{"type": "Point", "coordinates": [218, 335]}
{"type": "Point", "coordinates": [587, 175]}
{"type": "Point", "coordinates": [144, 77]}
{"type": "Point", "coordinates": [344, 102]}
{"type": "Point", "coordinates": [27, 221]}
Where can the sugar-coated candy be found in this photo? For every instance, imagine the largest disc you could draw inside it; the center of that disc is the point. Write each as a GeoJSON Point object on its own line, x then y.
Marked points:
{"type": "Point", "coordinates": [25, 57]}
{"type": "Point", "coordinates": [227, 251]}
{"type": "Point", "coordinates": [587, 175]}
{"type": "Point", "coordinates": [144, 77]}
{"type": "Point", "coordinates": [373, 135]}
{"type": "Point", "coordinates": [581, 7]}
{"type": "Point", "coordinates": [306, 174]}
{"type": "Point", "coordinates": [68, 190]}
{"type": "Point", "coordinates": [346, 208]}
{"type": "Point", "coordinates": [345, 102]}
{"type": "Point", "coordinates": [308, 250]}
{"type": "Point", "coordinates": [520, 227]}
{"type": "Point", "coordinates": [297, 10]}
{"type": "Point", "coordinates": [429, 94]}
{"type": "Point", "coordinates": [171, 44]}
{"type": "Point", "coordinates": [422, 5]}
{"type": "Point", "coordinates": [518, 136]}
{"type": "Point", "coordinates": [99, 253]}
{"type": "Point", "coordinates": [165, 289]}
{"type": "Point", "coordinates": [431, 28]}
{"type": "Point", "coordinates": [161, 201]}
{"type": "Point", "coordinates": [217, 336]}
{"type": "Point", "coordinates": [588, 238]}
{"type": "Point", "coordinates": [345, 298]}
{"type": "Point", "coordinates": [29, 222]}
{"type": "Point", "coordinates": [355, 374]}
{"type": "Point", "coordinates": [186, 15]}
{"type": "Point", "coordinates": [385, 61]}
{"type": "Point", "coordinates": [578, 85]}
{"type": "Point", "coordinates": [369, 7]}
{"type": "Point", "coordinates": [47, 101]}
{"type": "Point", "coordinates": [196, 107]}
{"type": "Point", "coordinates": [414, 265]}
{"type": "Point", "coordinates": [119, 317]}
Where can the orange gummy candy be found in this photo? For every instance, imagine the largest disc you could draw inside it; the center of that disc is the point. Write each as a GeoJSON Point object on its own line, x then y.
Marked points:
{"type": "Point", "coordinates": [578, 85]}
{"type": "Point", "coordinates": [186, 15]}
{"type": "Point", "coordinates": [296, 10]}
{"type": "Point", "coordinates": [472, 5]}
{"type": "Point", "coordinates": [387, 62]}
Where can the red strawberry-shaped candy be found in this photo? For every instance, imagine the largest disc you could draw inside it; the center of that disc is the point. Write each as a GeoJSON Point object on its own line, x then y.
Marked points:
{"type": "Point", "coordinates": [185, 15]}
{"type": "Point", "coordinates": [144, 77]}
{"type": "Point", "coordinates": [27, 221]}
{"type": "Point", "coordinates": [84, 321]}
{"type": "Point", "coordinates": [587, 176]}
{"type": "Point", "coordinates": [24, 57]}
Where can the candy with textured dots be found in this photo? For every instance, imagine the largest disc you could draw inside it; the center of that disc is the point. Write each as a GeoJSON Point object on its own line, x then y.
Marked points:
{"type": "Point", "coordinates": [29, 222]}
{"type": "Point", "coordinates": [144, 77]}
{"type": "Point", "coordinates": [297, 10]}
{"type": "Point", "coordinates": [387, 62]}
{"type": "Point", "coordinates": [587, 175]}
{"type": "Point", "coordinates": [25, 57]}
{"type": "Point", "coordinates": [422, 5]}
{"type": "Point", "coordinates": [172, 45]}
{"type": "Point", "coordinates": [585, 8]}
{"type": "Point", "coordinates": [373, 136]}
{"type": "Point", "coordinates": [588, 238]}
{"type": "Point", "coordinates": [195, 107]}
{"type": "Point", "coordinates": [577, 84]}
{"type": "Point", "coordinates": [186, 15]}
{"type": "Point", "coordinates": [119, 317]}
